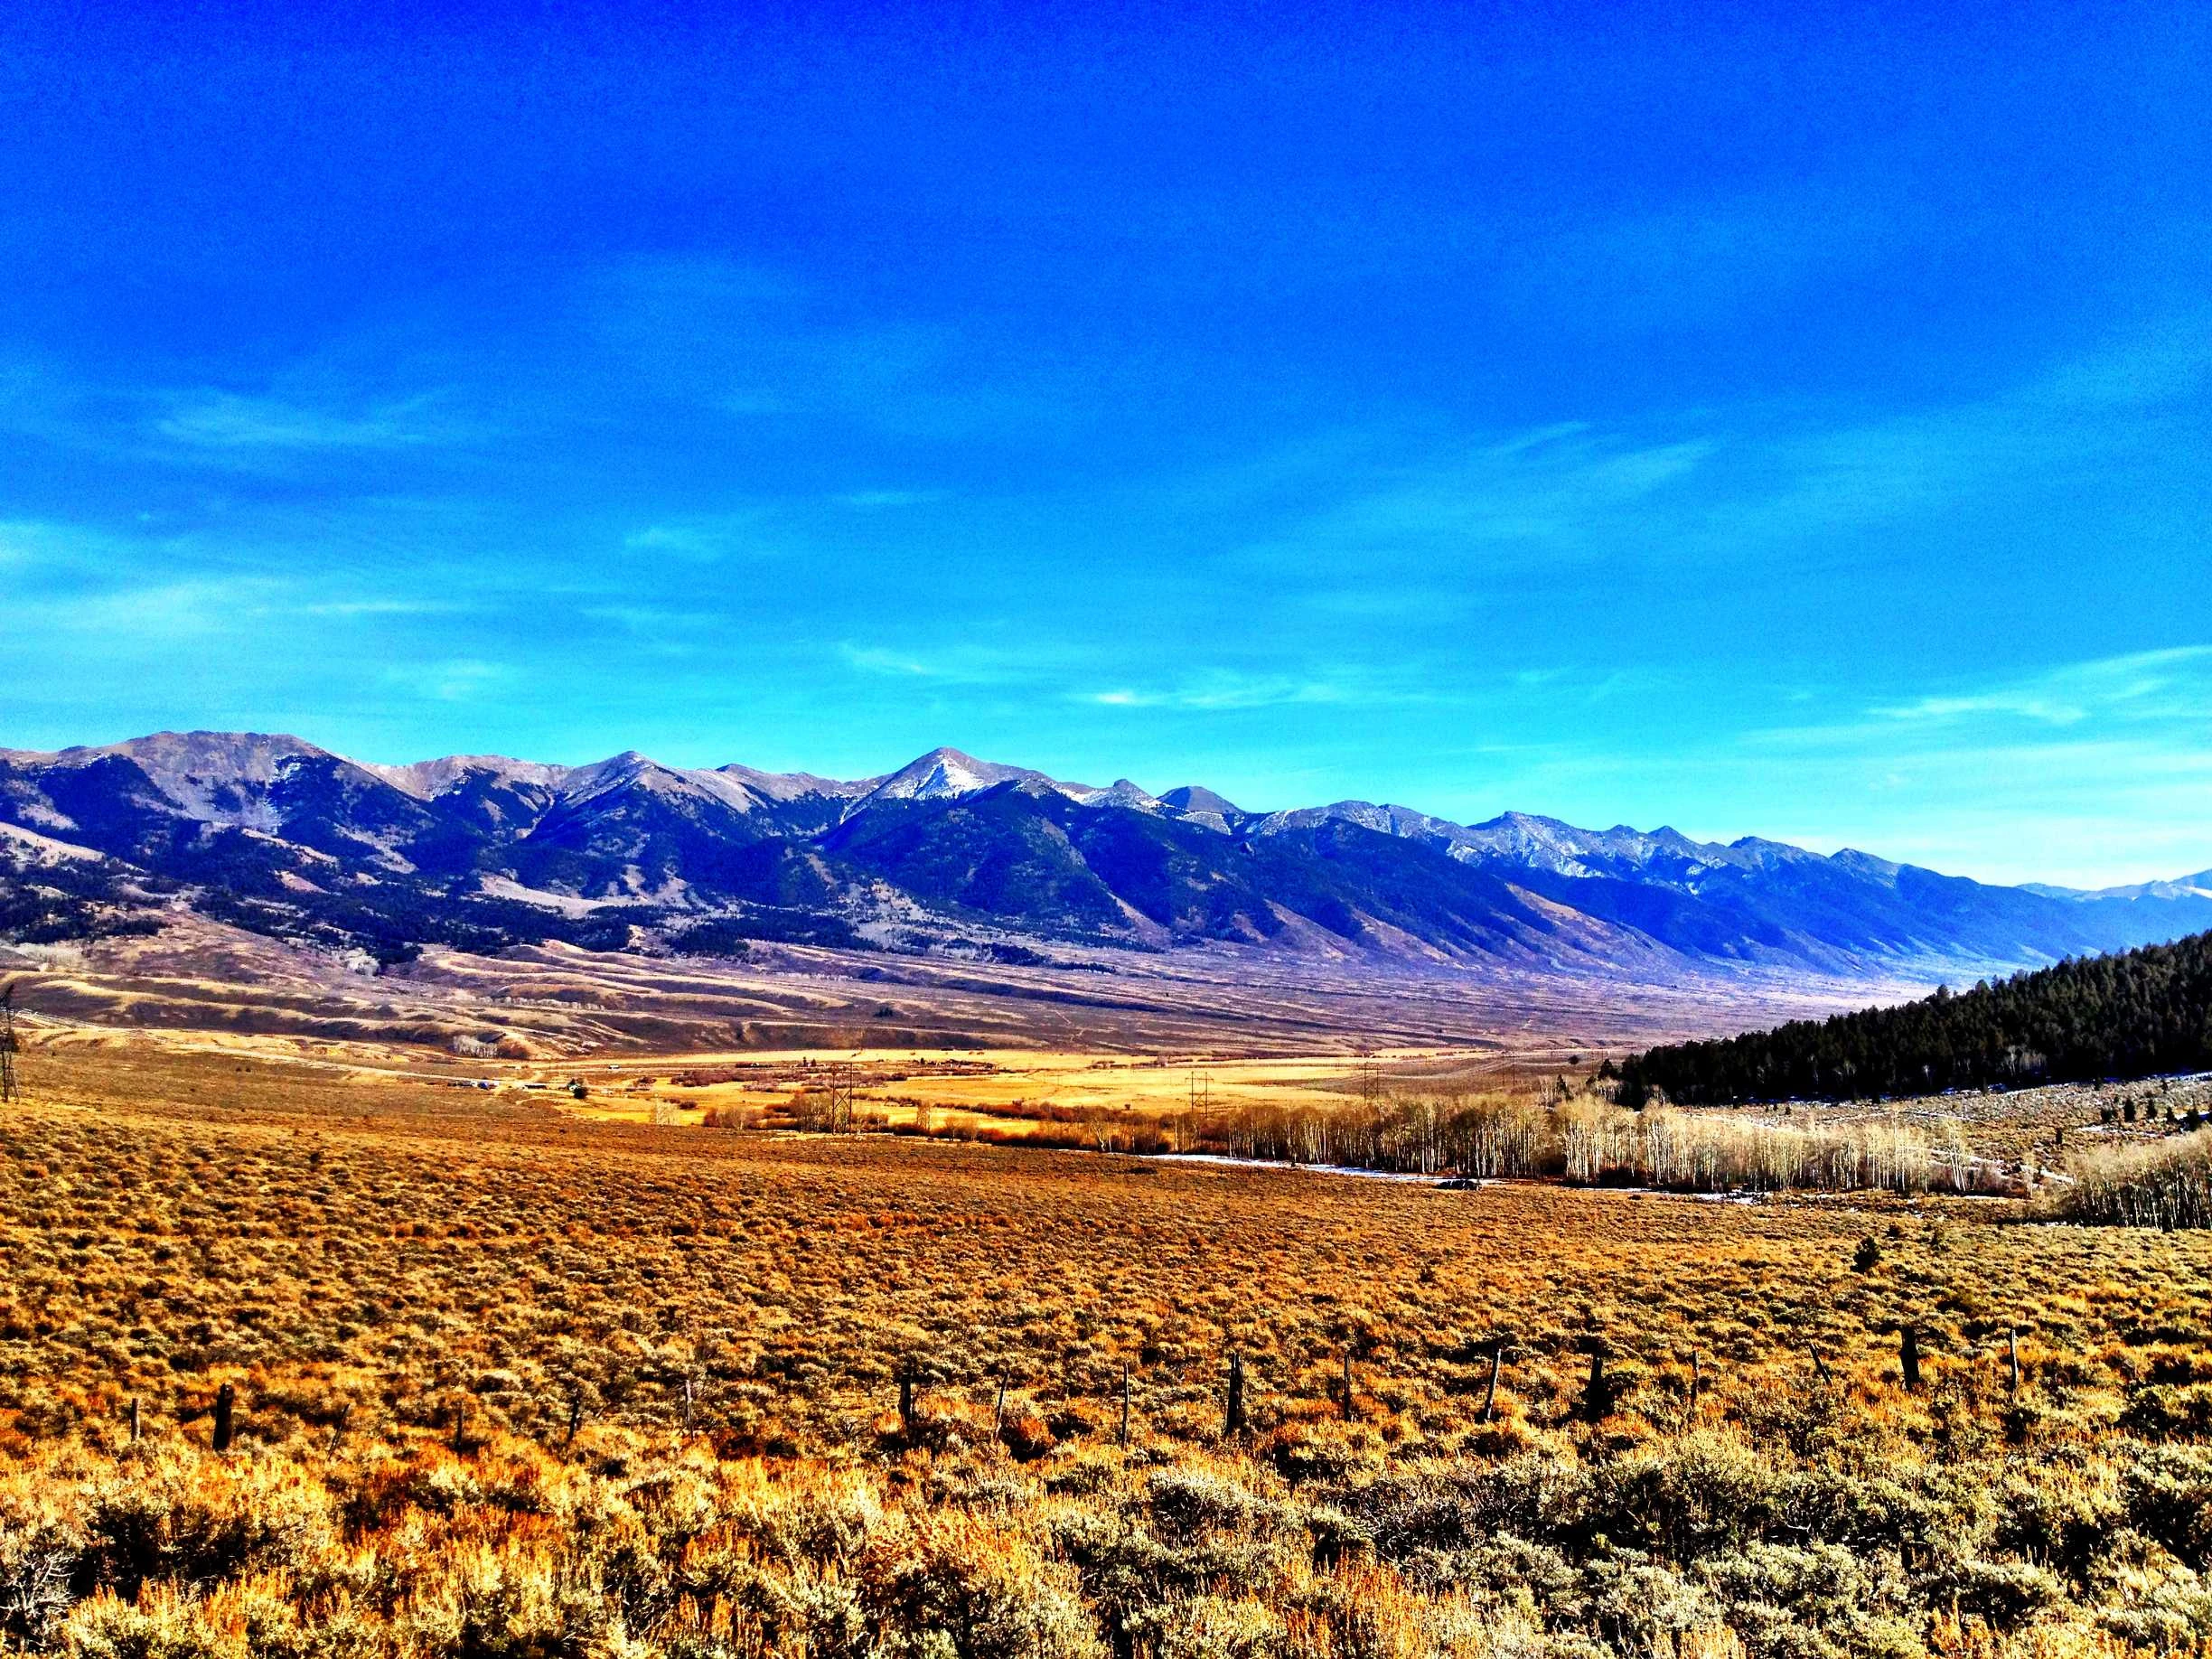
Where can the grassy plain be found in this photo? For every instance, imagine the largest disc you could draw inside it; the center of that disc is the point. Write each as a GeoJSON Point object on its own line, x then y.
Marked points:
{"type": "Point", "coordinates": [465, 1332]}
{"type": "Point", "coordinates": [558, 1003]}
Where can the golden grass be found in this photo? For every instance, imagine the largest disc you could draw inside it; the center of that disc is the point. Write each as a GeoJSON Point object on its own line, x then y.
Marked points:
{"type": "Point", "coordinates": [385, 1271]}
{"type": "Point", "coordinates": [1010, 1092]}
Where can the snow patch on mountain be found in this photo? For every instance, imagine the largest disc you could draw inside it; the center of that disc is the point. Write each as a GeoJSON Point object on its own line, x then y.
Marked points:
{"type": "Point", "coordinates": [428, 779]}
{"type": "Point", "coordinates": [2198, 885]}
{"type": "Point", "coordinates": [796, 785]}
{"type": "Point", "coordinates": [1121, 792]}
{"type": "Point", "coordinates": [220, 778]}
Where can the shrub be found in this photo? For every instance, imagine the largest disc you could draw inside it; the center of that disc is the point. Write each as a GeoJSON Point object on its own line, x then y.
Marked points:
{"type": "Point", "coordinates": [1811, 1600]}
{"type": "Point", "coordinates": [1026, 1436]}
{"type": "Point", "coordinates": [2167, 1492]}
{"type": "Point", "coordinates": [180, 1515]}
{"type": "Point", "coordinates": [960, 1583]}
{"type": "Point", "coordinates": [1707, 1492]}
{"type": "Point", "coordinates": [41, 1544]}
{"type": "Point", "coordinates": [1185, 1502]}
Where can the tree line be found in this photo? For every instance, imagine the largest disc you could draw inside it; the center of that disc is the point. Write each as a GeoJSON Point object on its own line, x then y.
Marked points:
{"type": "Point", "coordinates": [1586, 1140]}
{"type": "Point", "coordinates": [2133, 1014]}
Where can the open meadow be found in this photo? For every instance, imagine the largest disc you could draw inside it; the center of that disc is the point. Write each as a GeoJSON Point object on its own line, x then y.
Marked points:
{"type": "Point", "coordinates": [503, 1377]}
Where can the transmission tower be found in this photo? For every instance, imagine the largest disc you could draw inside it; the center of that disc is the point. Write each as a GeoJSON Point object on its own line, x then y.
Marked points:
{"type": "Point", "coordinates": [9, 1089]}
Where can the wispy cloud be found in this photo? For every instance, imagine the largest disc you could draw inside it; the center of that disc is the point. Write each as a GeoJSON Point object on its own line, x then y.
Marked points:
{"type": "Point", "coordinates": [342, 609]}
{"type": "Point", "coordinates": [2171, 686]}
{"type": "Point", "coordinates": [93, 581]}
{"type": "Point", "coordinates": [761, 528]}
{"type": "Point", "coordinates": [871, 499]}
{"type": "Point", "coordinates": [136, 617]}
{"type": "Point", "coordinates": [648, 620]}
{"type": "Point", "coordinates": [314, 411]}
{"type": "Point", "coordinates": [1229, 689]}
{"type": "Point", "coordinates": [1221, 692]}
{"type": "Point", "coordinates": [1042, 662]}
{"type": "Point", "coordinates": [894, 664]}
{"type": "Point", "coordinates": [2095, 770]}
{"type": "Point", "coordinates": [458, 680]}
{"type": "Point", "coordinates": [1691, 262]}
{"type": "Point", "coordinates": [753, 343]}
{"type": "Point", "coordinates": [2166, 362]}
{"type": "Point", "coordinates": [20, 543]}
{"type": "Point", "coordinates": [1746, 487]}
{"type": "Point", "coordinates": [223, 420]}
{"type": "Point", "coordinates": [1564, 491]}
{"type": "Point", "coordinates": [2078, 420]}
{"type": "Point", "coordinates": [699, 541]}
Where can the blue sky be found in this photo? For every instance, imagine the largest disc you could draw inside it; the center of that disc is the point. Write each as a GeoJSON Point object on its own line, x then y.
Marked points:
{"type": "Point", "coordinates": [1792, 423]}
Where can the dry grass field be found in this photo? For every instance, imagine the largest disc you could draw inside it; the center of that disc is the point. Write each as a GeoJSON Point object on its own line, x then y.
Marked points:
{"type": "Point", "coordinates": [1011, 1094]}
{"type": "Point", "coordinates": [561, 1004]}
{"type": "Point", "coordinates": [506, 1377]}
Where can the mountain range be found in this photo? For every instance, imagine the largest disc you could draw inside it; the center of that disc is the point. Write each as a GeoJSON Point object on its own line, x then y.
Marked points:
{"type": "Point", "coordinates": [951, 854]}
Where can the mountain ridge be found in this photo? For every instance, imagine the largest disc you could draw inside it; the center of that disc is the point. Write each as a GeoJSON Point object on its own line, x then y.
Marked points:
{"type": "Point", "coordinates": [950, 852]}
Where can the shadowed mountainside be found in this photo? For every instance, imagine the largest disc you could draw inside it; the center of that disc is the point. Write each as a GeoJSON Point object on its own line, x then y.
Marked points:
{"type": "Point", "coordinates": [954, 855]}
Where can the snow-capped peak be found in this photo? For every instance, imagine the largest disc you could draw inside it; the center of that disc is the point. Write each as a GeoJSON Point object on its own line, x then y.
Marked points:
{"type": "Point", "coordinates": [945, 774]}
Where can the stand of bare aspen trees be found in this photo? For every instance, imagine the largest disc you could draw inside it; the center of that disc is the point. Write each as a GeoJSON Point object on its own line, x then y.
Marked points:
{"type": "Point", "coordinates": [1587, 1141]}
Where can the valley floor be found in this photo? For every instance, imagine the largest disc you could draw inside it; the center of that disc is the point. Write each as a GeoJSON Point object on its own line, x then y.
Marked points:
{"type": "Point", "coordinates": [557, 1002]}
{"type": "Point", "coordinates": [507, 1378]}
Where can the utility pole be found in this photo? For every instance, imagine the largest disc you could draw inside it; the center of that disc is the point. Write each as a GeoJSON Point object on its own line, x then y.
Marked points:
{"type": "Point", "coordinates": [10, 1091]}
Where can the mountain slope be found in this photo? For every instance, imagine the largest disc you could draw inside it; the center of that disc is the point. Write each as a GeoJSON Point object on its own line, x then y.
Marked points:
{"type": "Point", "coordinates": [287, 838]}
{"type": "Point", "coordinates": [2129, 1014]}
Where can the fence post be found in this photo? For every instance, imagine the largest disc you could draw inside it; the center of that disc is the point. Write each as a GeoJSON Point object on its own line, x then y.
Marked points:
{"type": "Point", "coordinates": [226, 1397]}
{"type": "Point", "coordinates": [906, 1398]}
{"type": "Point", "coordinates": [1596, 1404]}
{"type": "Point", "coordinates": [687, 1405]}
{"type": "Point", "coordinates": [575, 1417]}
{"type": "Point", "coordinates": [1232, 1418]}
{"type": "Point", "coordinates": [1497, 1360]}
{"type": "Point", "coordinates": [1347, 1385]}
{"type": "Point", "coordinates": [338, 1424]}
{"type": "Point", "coordinates": [1697, 1381]}
{"type": "Point", "coordinates": [1908, 1357]}
{"type": "Point", "coordinates": [2013, 1355]}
